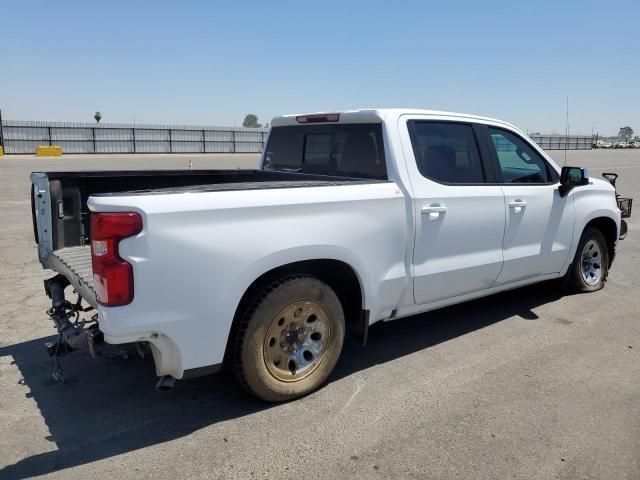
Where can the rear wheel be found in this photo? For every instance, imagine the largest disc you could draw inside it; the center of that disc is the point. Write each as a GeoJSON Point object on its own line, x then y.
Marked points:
{"type": "Point", "coordinates": [590, 266]}
{"type": "Point", "coordinates": [290, 338]}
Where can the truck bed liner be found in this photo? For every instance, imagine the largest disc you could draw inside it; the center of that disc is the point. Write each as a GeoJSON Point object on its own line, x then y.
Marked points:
{"type": "Point", "coordinates": [75, 264]}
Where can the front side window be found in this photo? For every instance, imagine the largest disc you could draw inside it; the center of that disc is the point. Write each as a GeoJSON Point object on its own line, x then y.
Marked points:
{"type": "Point", "coordinates": [519, 162]}
{"type": "Point", "coordinates": [446, 152]}
{"type": "Point", "coordinates": [349, 150]}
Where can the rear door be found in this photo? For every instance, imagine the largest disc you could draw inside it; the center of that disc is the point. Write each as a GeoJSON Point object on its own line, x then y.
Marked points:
{"type": "Point", "coordinates": [539, 223]}
{"type": "Point", "coordinates": [459, 215]}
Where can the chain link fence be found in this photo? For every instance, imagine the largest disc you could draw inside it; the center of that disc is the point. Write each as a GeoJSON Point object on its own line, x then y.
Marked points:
{"type": "Point", "coordinates": [564, 142]}
{"type": "Point", "coordinates": [22, 137]}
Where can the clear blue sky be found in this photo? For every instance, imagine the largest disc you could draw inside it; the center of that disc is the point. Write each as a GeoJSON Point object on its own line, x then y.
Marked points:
{"type": "Point", "coordinates": [207, 62]}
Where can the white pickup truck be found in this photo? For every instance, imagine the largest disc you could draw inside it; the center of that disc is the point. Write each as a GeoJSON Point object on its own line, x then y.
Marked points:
{"type": "Point", "coordinates": [353, 218]}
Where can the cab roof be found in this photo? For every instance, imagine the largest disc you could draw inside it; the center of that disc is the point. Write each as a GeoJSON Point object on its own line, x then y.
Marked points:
{"type": "Point", "coordinates": [377, 115]}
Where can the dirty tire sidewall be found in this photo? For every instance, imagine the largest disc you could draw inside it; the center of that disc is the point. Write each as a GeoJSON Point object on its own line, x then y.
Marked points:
{"type": "Point", "coordinates": [251, 368]}
{"type": "Point", "coordinates": [575, 281]}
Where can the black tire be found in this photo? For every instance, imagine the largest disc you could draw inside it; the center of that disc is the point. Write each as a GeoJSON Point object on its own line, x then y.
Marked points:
{"type": "Point", "coordinates": [306, 306]}
{"type": "Point", "coordinates": [578, 281]}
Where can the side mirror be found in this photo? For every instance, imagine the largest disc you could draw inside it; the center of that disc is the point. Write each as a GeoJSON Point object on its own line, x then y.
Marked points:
{"type": "Point", "coordinates": [571, 177]}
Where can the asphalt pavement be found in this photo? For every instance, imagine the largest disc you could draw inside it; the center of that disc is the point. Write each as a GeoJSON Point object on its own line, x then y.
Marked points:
{"type": "Point", "coordinates": [528, 384]}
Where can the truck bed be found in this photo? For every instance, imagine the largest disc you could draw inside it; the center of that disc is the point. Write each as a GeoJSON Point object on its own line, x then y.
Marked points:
{"type": "Point", "coordinates": [61, 216]}
{"type": "Point", "coordinates": [68, 192]}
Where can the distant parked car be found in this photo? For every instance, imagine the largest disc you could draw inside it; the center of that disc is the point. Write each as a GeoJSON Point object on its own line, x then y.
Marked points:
{"type": "Point", "coordinates": [605, 145]}
{"type": "Point", "coordinates": [621, 145]}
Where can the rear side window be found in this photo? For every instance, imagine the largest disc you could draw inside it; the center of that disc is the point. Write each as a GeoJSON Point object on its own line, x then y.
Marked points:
{"type": "Point", "coordinates": [519, 162]}
{"type": "Point", "coordinates": [446, 152]}
{"type": "Point", "coordinates": [350, 150]}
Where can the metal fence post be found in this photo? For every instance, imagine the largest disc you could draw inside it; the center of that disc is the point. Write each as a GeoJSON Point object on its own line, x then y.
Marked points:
{"type": "Point", "coordinates": [170, 142]}
{"type": "Point", "coordinates": [49, 129]}
{"type": "Point", "coordinates": [93, 137]}
{"type": "Point", "coordinates": [133, 132]}
{"type": "Point", "coordinates": [204, 143]}
{"type": "Point", "coordinates": [233, 133]}
{"type": "Point", "coordinates": [1, 133]}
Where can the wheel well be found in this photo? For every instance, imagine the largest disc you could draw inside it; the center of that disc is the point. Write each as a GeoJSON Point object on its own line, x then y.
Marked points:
{"type": "Point", "coordinates": [610, 232]}
{"type": "Point", "coordinates": [338, 275]}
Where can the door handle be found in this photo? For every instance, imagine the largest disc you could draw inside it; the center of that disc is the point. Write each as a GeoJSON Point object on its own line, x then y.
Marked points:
{"type": "Point", "coordinates": [434, 210]}
{"type": "Point", "coordinates": [517, 205]}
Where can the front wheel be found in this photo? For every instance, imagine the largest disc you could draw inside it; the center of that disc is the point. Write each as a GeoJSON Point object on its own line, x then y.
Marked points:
{"type": "Point", "coordinates": [590, 266]}
{"type": "Point", "coordinates": [290, 338]}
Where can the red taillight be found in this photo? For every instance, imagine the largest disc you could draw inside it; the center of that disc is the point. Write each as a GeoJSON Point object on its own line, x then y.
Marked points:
{"type": "Point", "coordinates": [319, 118]}
{"type": "Point", "coordinates": [112, 276]}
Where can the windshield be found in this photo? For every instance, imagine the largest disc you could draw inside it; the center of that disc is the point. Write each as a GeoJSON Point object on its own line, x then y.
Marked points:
{"type": "Point", "coordinates": [350, 150]}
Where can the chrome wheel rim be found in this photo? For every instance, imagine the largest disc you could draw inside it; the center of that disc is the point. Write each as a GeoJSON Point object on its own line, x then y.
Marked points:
{"type": "Point", "coordinates": [296, 341]}
{"type": "Point", "coordinates": [591, 263]}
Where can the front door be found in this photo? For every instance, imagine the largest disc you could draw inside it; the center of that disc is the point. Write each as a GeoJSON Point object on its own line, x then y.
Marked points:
{"type": "Point", "coordinates": [539, 227]}
{"type": "Point", "coordinates": [459, 218]}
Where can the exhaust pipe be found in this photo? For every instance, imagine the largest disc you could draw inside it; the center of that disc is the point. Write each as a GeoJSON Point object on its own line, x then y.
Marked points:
{"type": "Point", "coordinates": [165, 383]}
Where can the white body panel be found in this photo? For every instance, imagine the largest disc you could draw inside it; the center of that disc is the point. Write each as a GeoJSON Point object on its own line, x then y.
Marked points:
{"type": "Point", "coordinates": [539, 231]}
{"type": "Point", "coordinates": [459, 250]}
{"type": "Point", "coordinates": [199, 252]}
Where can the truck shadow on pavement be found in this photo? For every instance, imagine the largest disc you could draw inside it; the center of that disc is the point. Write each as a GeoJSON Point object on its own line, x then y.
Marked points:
{"type": "Point", "coordinates": [109, 406]}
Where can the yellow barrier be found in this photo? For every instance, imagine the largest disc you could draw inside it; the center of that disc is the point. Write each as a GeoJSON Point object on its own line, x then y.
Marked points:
{"type": "Point", "coordinates": [48, 151]}
{"type": "Point", "coordinates": [1, 150]}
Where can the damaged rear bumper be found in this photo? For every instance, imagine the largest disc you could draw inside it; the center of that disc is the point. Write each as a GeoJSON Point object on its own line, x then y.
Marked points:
{"type": "Point", "coordinates": [72, 335]}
